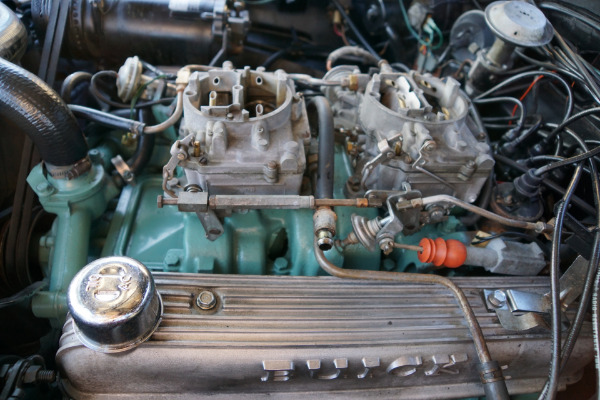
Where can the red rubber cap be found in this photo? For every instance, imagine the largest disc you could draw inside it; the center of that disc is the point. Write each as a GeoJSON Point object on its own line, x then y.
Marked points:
{"type": "Point", "coordinates": [448, 253]}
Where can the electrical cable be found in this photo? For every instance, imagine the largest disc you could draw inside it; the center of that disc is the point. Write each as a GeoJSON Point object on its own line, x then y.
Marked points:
{"type": "Point", "coordinates": [567, 161]}
{"type": "Point", "coordinates": [556, 310]}
{"type": "Point", "coordinates": [571, 13]}
{"type": "Point", "coordinates": [102, 97]}
{"type": "Point", "coordinates": [355, 30]}
{"type": "Point", "coordinates": [582, 204]}
{"type": "Point", "coordinates": [568, 121]}
{"type": "Point", "coordinates": [518, 103]}
{"type": "Point", "coordinates": [508, 81]}
{"type": "Point", "coordinates": [586, 294]}
{"type": "Point", "coordinates": [140, 91]}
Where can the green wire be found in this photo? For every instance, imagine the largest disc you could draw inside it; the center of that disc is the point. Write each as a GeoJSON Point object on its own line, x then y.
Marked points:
{"type": "Point", "coordinates": [432, 25]}
{"type": "Point", "coordinates": [139, 92]}
{"type": "Point", "coordinates": [409, 26]}
{"type": "Point", "coordinates": [439, 32]}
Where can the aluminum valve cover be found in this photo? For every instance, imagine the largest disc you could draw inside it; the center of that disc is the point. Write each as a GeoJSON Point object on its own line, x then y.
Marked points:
{"type": "Point", "coordinates": [293, 337]}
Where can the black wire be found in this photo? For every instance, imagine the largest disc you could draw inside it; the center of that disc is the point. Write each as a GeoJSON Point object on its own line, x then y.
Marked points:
{"type": "Point", "coordinates": [582, 204]}
{"type": "Point", "coordinates": [578, 64]}
{"type": "Point", "coordinates": [101, 96]}
{"type": "Point", "coordinates": [556, 310]}
{"type": "Point", "coordinates": [518, 102]}
{"type": "Point", "coordinates": [571, 13]}
{"type": "Point", "coordinates": [567, 161]}
{"type": "Point", "coordinates": [508, 81]}
{"type": "Point", "coordinates": [578, 116]}
{"type": "Point", "coordinates": [586, 294]}
{"type": "Point", "coordinates": [355, 30]}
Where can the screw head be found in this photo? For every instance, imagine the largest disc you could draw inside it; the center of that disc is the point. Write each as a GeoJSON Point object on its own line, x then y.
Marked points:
{"type": "Point", "coordinates": [430, 145]}
{"type": "Point", "coordinates": [272, 164]}
{"type": "Point", "coordinates": [206, 300]}
{"type": "Point", "coordinates": [497, 298]}
{"type": "Point", "coordinates": [44, 187]}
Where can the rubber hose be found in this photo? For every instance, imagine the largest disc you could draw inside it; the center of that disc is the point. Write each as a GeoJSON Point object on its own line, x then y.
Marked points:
{"type": "Point", "coordinates": [71, 82]}
{"type": "Point", "coordinates": [144, 149]}
{"type": "Point", "coordinates": [40, 112]}
{"type": "Point", "coordinates": [319, 105]}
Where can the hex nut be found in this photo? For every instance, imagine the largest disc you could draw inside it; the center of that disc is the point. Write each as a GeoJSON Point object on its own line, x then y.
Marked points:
{"type": "Point", "coordinates": [206, 300]}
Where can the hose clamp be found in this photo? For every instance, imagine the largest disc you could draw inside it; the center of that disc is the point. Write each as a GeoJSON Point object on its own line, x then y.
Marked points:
{"type": "Point", "coordinates": [69, 172]}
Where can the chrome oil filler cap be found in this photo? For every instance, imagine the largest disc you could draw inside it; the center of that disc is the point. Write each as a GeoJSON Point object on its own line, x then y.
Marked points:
{"type": "Point", "coordinates": [114, 304]}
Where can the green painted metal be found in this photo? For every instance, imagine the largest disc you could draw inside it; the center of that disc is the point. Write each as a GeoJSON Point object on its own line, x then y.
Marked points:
{"type": "Point", "coordinates": [76, 203]}
{"type": "Point", "coordinates": [254, 243]}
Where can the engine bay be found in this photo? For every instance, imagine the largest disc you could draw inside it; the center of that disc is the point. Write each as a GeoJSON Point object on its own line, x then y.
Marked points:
{"type": "Point", "coordinates": [269, 198]}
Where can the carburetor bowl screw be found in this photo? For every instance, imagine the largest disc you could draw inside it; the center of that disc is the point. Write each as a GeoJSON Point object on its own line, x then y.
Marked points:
{"type": "Point", "coordinates": [206, 300]}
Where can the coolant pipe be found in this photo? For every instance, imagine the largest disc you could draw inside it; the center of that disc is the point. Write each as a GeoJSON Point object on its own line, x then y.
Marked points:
{"type": "Point", "coordinates": [40, 112]}
{"type": "Point", "coordinates": [491, 373]}
{"type": "Point", "coordinates": [324, 188]}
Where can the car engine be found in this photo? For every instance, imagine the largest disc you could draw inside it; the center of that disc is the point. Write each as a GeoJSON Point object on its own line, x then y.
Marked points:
{"type": "Point", "coordinates": [299, 198]}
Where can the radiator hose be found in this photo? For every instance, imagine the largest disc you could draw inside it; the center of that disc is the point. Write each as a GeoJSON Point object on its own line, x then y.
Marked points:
{"type": "Point", "coordinates": [40, 112]}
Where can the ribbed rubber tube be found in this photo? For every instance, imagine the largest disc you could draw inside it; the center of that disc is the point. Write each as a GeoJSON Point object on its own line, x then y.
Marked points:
{"type": "Point", "coordinates": [40, 112]}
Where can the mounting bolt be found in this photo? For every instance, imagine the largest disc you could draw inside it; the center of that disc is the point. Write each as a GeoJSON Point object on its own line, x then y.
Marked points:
{"type": "Point", "coordinates": [45, 376]}
{"type": "Point", "coordinates": [497, 298]}
{"type": "Point", "coordinates": [180, 156]}
{"type": "Point", "coordinates": [44, 188]}
{"type": "Point", "coordinates": [206, 300]}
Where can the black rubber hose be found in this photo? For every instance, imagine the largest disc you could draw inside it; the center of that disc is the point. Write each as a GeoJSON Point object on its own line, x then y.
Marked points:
{"type": "Point", "coordinates": [144, 149]}
{"type": "Point", "coordinates": [71, 82]}
{"type": "Point", "coordinates": [40, 112]}
{"type": "Point", "coordinates": [319, 105]}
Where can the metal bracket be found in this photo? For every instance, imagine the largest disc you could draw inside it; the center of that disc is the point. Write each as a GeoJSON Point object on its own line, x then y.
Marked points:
{"type": "Point", "coordinates": [399, 220]}
{"type": "Point", "coordinates": [509, 304]}
{"type": "Point", "coordinates": [385, 153]}
{"type": "Point", "coordinates": [123, 169]}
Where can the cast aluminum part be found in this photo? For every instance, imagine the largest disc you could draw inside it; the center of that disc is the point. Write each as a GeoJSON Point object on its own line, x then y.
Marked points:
{"type": "Point", "coordinates": [291, 337]}
{"type": "Point", "coordinates": [417, 130]}
{"type": "Point", "coordinates": [243, 132]}
{"type": "Point", "coordinates": [114, 304]}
